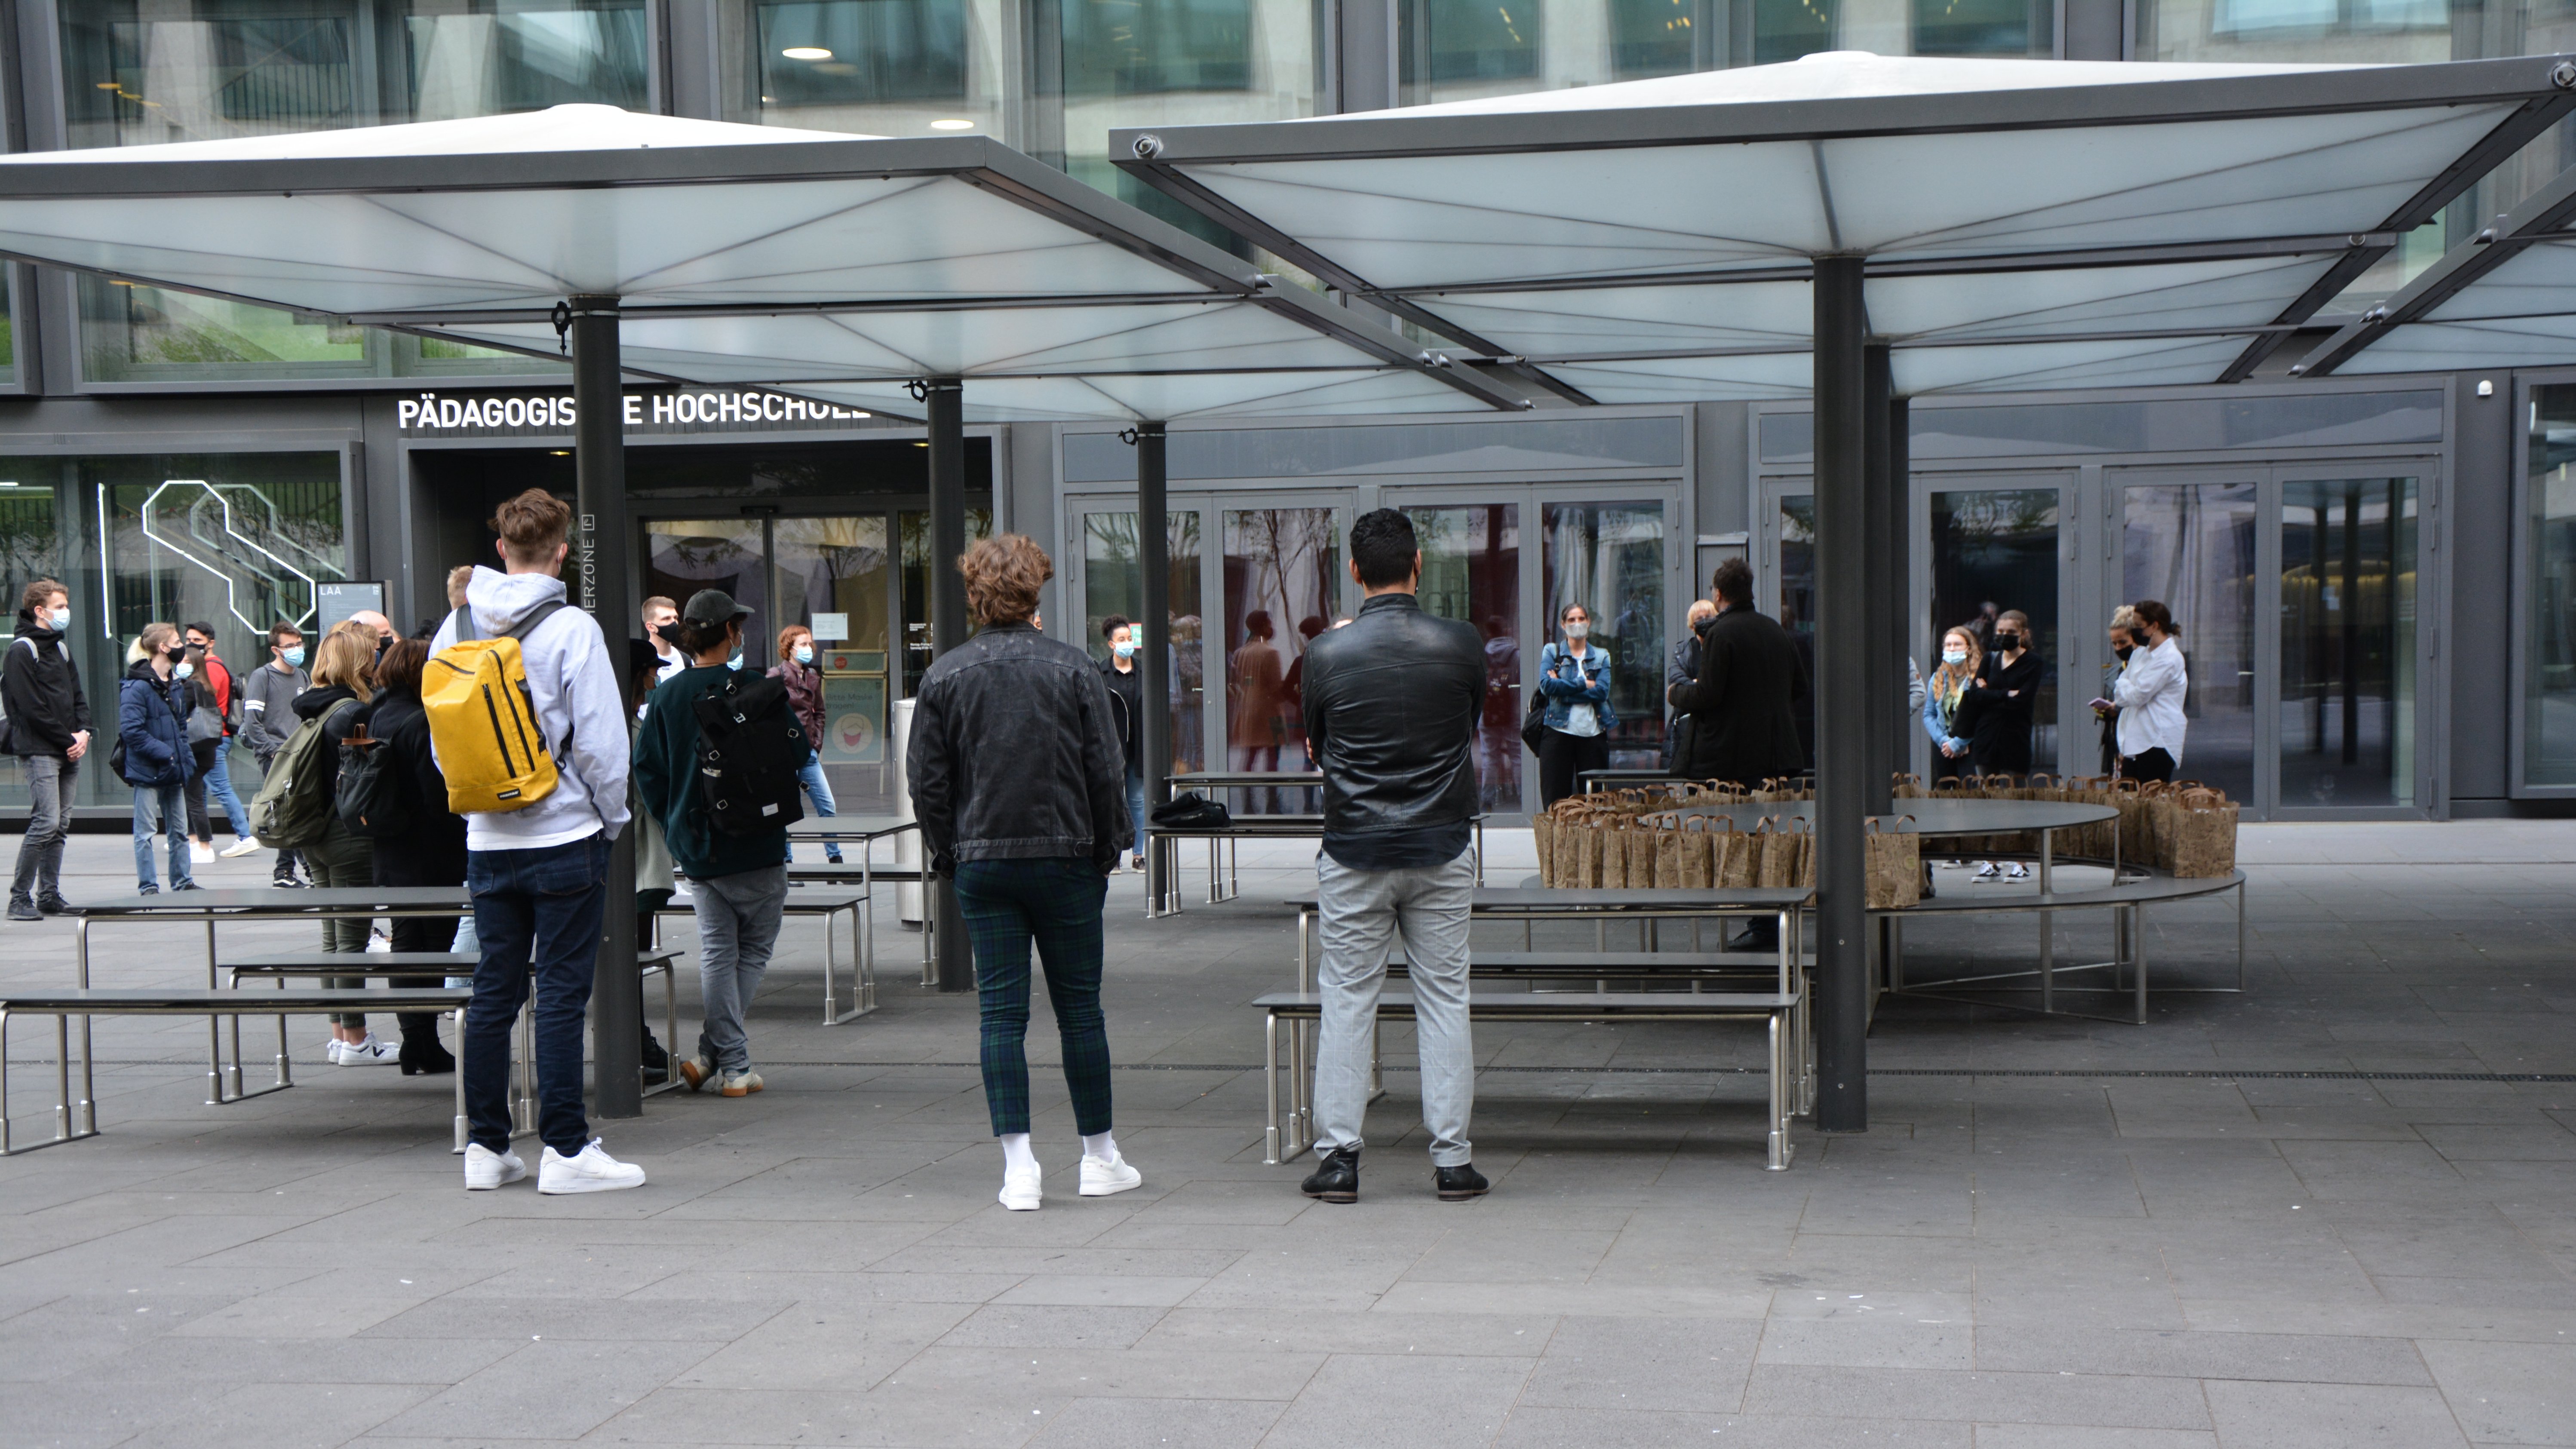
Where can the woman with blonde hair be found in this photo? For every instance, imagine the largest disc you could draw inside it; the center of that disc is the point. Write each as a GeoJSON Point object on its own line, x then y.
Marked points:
{"type": "Point", "coordinates": [343, 690]}
{"type": "Point", "coordinates": [1945, 700]}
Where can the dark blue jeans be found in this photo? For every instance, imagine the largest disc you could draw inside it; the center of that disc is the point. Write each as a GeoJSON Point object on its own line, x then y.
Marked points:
{"type": "Point", "coordinates": [537, 914]}
{"type": "Point", "coordinates": [1054, 903]}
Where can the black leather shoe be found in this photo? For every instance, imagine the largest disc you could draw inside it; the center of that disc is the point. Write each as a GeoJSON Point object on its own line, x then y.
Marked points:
{"type": "Point", "coordinates": [424, 1057]}
{"type": "Point", "coordinates": [1457, 1184]}
{"type": "Point", "coordinates": [1338, 1180]}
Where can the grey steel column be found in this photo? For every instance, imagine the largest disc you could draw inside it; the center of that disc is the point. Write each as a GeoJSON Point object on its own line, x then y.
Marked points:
{"type": "Point", "coordinates": [1154, 631]}
{"type": "Point", "coordinates": [1884, 690]}
{"type": "Point", "coordinates": [1900, 577]}
{"type": "Point", "coordinates": [1843, 626]}
{"type": "Point", "coordinates": [599, 585]}
{"type": "Point", "coordinates": [943, 402]}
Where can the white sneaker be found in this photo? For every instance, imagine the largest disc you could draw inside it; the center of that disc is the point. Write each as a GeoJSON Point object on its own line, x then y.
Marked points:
{"type": "Point", "coordinates": [2018, 872]}
{"type": "Point", "coordinates": [1100, 1179]}
{"type": "Point", "coordinates": [485, 1168]}
{"type": "Point", "coordinates": [201, 852]}
{"type": "Point", "coordinates": [589, 1170]}
{"type": "Point", "coordinates": [369, 1053]}
{"type": "Point", "coordinates": [1020, 1190]}
{"type": "Point", "coordinates": [239, 848]}
{"type": "Point", "coordinates": [378, 941]}
{"type": "Point", "coordinates": [334, 1050]}
{"type": "Point", "coordinates": [1986, 870]}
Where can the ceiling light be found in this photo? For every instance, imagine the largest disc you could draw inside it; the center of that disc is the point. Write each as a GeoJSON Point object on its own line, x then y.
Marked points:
{"type": "Point", "coordinates": [806, 52]}
{"type": "Point", "coordinates": [563, 452]}
{"type": "Point", "coordinates": [952, 125]}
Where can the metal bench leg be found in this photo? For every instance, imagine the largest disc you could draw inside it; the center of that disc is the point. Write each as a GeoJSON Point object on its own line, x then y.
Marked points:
{"type": "Point", "coordinates": [1777, 1156]}
{"type": "Point", "coordinates": [2240, 935]}
{"type": "Point", "coordinates": [1270, 1087]}
{"type": "Point", "coordinates": [2138, 964]}
{"type": "Point", "coordinates": [458, 1016]}
{"type": "Point", "coordinates": [831, 1000]}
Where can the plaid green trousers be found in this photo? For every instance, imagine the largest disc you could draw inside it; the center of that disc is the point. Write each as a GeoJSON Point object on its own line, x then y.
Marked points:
{"type": "Point", "coordinates": [1055, 903]}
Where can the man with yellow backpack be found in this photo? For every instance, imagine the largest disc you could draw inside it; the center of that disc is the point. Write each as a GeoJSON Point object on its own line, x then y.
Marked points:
{"type": "Point", "coordinates": [528, 730]}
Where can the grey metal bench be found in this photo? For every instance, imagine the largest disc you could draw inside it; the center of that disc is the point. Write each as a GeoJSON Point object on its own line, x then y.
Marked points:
{"type": "Point", "coordinates": [2134, 889]}
{"type": "Point", "coordinates": [1224, 880]}
{"type": "Point", "coordinates": [64, 1005]}
{"type": "Point", "coordinates": [1779, 1011]}
{"type": "Point", "coordinates": [863, 964]}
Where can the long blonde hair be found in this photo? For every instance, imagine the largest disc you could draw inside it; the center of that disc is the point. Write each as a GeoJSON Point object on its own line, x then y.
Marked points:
{"type": "Point", "coordinates": [343, 659]}
{"type": "Point", "coordinates": [1949, 681]}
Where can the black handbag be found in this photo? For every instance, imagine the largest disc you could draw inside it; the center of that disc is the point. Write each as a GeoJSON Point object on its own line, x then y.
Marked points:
{"type": "Point", "coordinates": [1191, 810]}
{"type": "Point", "coordinates": [1534, 723]}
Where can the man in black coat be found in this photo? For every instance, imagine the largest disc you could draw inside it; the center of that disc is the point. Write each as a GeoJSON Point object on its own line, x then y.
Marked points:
{"type": "Point", "coordinates": [49, 733]}
{"type": "Point", "coordinates": [1744, 704]}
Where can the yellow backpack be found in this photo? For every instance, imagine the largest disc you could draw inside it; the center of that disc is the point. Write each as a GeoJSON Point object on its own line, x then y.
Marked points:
{"type": "Point", "coordinates": [483, 721]}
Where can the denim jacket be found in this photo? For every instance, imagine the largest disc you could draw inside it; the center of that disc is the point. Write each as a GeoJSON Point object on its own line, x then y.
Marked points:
{"type": "Point", "coordinates": [1562, 694]}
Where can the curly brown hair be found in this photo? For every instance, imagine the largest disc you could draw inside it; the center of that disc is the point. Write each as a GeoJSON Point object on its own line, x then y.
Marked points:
{"type": "Point", "coordinates": [1003, 575]}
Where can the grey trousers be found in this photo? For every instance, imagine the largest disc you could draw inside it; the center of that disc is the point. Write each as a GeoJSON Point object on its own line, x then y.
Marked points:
{"type": "Point", "coordinates": [738, 918]}
{"type": "Point", "coordinates": [1362, 911]}
{"type": "Point", "coordinates": [52, 782]}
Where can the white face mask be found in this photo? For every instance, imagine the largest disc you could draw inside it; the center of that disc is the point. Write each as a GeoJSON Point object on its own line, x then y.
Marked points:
{"type": "Point", "coordinates": [1578, 631]}
{"type": "Point", "coordinates": [804, 654]}
{"type": "Point", "coordinates": [62, 620]}
{"type": "Point", "coordinates": [1954, 656]}
{"type": "Point", "coordinates": [182, 669]}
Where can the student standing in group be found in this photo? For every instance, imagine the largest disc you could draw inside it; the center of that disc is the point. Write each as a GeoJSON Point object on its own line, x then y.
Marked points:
{"type": "Point", "coordinates": [268, 714]}
{"type": "Point", "coordinates": [1574, 677]}
{"type": "Point", "coordinates": [737, 878]}
{"type": "Point", "coordinates": [2000, 708]}
{"type": "Point", "coordinates": [1683, 669]}
{"type": "Point", "coordinates": [2106, 714]}
{"type": "Point", "coordinates": [539, 874]}
{"type": "Point", "coordinates": [1015, 778]}
{"type": "Point", "coordinates": [49, 733]}
{"type": "Point", "coordinates": [2150, 694]}
{"type": "Point", "coordinates": [217, 678]}
{"type": "Point", "coordinates": [427, 845]}
{"type": "Point", "coordinates": [796, 670]}
{"type": "Point", "coordinates": [1127, 700]}
{"type": "Point", "coordinates": [1945, 702]}
{"type": "Point", "coordinates": [661, 630]}
{"type": "Point", "coordinates": [338, 699]}
{"type": "Point", "coordinates": [1744, 701]}
{"type": "Point", "coordinates": [1391, 703]}
{"type": "Point", "coordinates": [152, 724]}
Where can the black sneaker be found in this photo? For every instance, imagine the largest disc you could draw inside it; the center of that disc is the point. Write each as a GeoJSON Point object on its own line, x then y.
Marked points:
{"type": "Point", "coordinates": [23, 909]}
{"type": "Point", "coordinates": [286, 882]}
{"type": "Point", "coordinates": [1338, 1180]}
{"type": "Point", "coordinates": [1457, 1184]}
{"type": "Point", "coordinates": [52, 905]}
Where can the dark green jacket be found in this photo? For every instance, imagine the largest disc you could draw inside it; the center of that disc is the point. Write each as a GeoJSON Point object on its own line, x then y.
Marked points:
{"type": "Point", "coordinates": [666, 776]}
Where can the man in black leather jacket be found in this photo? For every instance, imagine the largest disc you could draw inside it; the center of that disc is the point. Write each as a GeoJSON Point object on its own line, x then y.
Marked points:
{"type": "Point", "coordinates": [1391, 704]}
{"type": "Point", "coordinates": [1743, 704]}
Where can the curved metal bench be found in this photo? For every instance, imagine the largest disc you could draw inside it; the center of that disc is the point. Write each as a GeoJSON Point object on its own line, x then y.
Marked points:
{"type": "Point", "coordinates": [2127, 898]}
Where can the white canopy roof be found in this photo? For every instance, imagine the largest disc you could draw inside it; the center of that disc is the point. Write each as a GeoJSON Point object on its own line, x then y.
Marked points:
{"type": "Point", "coordinates": [1990, 198]}
{"type": "Point", "coordinates": [913, 257]}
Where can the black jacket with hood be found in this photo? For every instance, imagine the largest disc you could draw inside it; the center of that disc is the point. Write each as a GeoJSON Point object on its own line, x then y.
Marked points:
{"type": "Point", "coordinates": [42, 690]}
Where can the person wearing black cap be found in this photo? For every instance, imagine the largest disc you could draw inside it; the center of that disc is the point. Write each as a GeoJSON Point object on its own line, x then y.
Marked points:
{"type": "Point", "coordinates": [737, 882]}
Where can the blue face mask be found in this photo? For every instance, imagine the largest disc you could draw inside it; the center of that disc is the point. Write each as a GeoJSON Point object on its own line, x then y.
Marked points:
{"type": "Point", "coordinates": [1124, 651]}
{"type": "Point", "coordinates": [804, 653]}
{"type": "Point", "coordinates": [294, 657]}
{"type": "Point", "coordinates": [734, 663]}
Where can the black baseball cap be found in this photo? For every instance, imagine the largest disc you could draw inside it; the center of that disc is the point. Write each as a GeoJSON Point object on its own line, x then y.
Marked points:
{"type": "Point", "coordinates": [713, 606]}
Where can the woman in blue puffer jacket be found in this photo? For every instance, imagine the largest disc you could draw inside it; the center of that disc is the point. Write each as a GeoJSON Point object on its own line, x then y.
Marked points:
{"type": "Point", "coordinates": [152, 724]}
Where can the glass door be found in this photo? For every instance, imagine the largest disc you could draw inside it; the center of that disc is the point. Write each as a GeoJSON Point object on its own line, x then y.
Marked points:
{"type": "Point", "coordinates": [2194, 542]}
{"type": "Point", "coordinates": [1615, 558]}
{"type": "Point", "coordinates": [2347, 690]}
{"type": "Point", "coordinates": [1988, 547]}
{"type": "Point", "coordinates": [1282, 584]}
{"type": "Point", "coordinates": [1113, 584]}
{"type": "Point", "coordinates": [1471, 572]}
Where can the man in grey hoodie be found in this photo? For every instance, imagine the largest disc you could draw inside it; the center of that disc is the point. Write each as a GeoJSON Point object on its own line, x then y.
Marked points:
{"type": "Point", "coordinates": [539, 874]}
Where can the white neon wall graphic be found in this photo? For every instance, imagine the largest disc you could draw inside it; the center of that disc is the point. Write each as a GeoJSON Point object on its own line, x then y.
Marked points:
{"type": "Point", "coordinates": [224, 544]}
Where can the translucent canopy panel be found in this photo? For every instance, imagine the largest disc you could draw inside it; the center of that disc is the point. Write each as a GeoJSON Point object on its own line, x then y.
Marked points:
{"type": "Point", "coordinates": [1752, 377]}
{"type": "Point", "coordinates": [511, 213]}
{"type": "Point", "coordinates": [1175, 397]}
{"type": "Point", "coordinates": [2453, 346]}
{"type": "Point", "coordinates": [2538, 281]}
{"type": "Point", "coordinates": [1844, 153]}
{"type": "Point", "coordinates": [801, 347]}
{"type": "Point", "coordinates": [1547, 325]}
{"type": "Point", "coordinates": [2042, 366]}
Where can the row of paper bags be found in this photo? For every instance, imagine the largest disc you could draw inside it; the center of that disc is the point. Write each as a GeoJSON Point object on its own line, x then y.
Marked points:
{"type": "Point", "coordinates": [1607, 849]}
{"type": "Point", "coordinates": [2185, 827]}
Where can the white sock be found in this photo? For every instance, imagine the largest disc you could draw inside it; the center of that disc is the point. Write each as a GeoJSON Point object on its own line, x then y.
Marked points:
{"type": "Point", "coordinates": [1100, 1147]}
{"type": "Point", "coordinates": [1016, 1156]}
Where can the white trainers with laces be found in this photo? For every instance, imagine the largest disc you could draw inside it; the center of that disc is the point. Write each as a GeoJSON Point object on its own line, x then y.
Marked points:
{"type": "Point", "coordinates": [1100, 1179]}
{"type": "Point", "coordinates": [201, 852]}
{"type": "Point", "coordinates": [369, 1053]}
{"type": "Point", "coordinates": [2018, 872]}
{"type": "Point", "coordinates": [1986, 870]}
{"type": "Point", "coordinates": [486, 1169]}
{"type": "Point", "coordinates": [334, 1050]}
{"type": "Point", "coordinates": [1021, 1192]}
{"type": "Point", "coordinates": [589, 1170]}
{"type": "Point", "coordinates": [240, 848]}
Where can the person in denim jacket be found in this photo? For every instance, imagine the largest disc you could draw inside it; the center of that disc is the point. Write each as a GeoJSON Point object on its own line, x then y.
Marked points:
{"type": "Point", "coordinates": [1574, 678]}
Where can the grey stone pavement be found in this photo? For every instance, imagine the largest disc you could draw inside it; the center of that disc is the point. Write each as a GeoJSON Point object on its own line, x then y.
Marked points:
{"type": "Point", "coordinates": [2055, 1233]}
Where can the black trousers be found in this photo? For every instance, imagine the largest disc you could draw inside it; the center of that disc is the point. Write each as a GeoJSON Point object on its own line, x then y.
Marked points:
{"type": "Point", "coordinates": [2153, 765]}
{"type": "Point", "coordinates": [1561, 757]}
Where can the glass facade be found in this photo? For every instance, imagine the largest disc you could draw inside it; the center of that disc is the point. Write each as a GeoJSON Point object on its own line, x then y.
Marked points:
{"type": "Point", "coordinates": [1113, 583]}
{"type": "Point", "coordinates": [1471, 571]}
{"type": "Point", "coordinates": [142, 72]}
{"type": "Point", "coordinates": [2548, 583]}
{"type": "Point", "coordinates": [2347, 692]}
{"type": "Point", "coordinates": [1282, 587]}
{"type": "Point", "coordinates": [1995, 550]}
{"type": "Point", "coordinates": [2196, 547]}
{"type": "Point", "coordinates": [132, 334]}
{"type": "Point", "coordinates": [1609, 557]}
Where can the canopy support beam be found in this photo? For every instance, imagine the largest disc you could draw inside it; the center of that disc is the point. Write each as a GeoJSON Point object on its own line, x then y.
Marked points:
{"type": "Point", "coordinates": [944, 409]}
{"type": "Point", "coordinates": [1153, 633]}
{"type": "Point", "coordinates": [600, 586]}
{"type": "Point", "coordinates": [1844, 521]}
{"type": "Point", "coordinates": [1882, 585]}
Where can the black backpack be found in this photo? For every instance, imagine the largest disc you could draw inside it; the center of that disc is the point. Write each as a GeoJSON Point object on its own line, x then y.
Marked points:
{"type": "Point", "coordinates": [749, 750]}
{"type": "Point", "coordinates": [370, 796]}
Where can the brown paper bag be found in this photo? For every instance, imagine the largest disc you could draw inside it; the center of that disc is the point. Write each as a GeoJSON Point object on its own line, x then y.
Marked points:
{"type": "Point", "coordinates": [2201, 827]}
{"type": "Point", "coordinates": [1740, 856]}
{"type": "Point", "coordinates": [1895, 866]}
{"type": "Point", "coordinates": [1543, 836]}
{"type": "Point", "coordinates": [1641, 857]}
{"type": "Point", "coordinates": [1776, 859]}
{"type": "Point", "coordinates": [1694, 842]}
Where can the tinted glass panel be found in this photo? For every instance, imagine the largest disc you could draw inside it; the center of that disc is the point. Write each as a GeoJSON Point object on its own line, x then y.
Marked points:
{"type": "Point", "coordinates": [1609, 557]}
{"type": "Point", "coordinates": [1112, 584]}
{"type": "Point", "coordinates": [1995, 551]}
{"type": "Point", "coordinates": [2548, 584]}
{"type": "Point", "coordinates": [1281, 565]}
{"type": "Point", "coordinates": [1471, 571]}
{"type": "Point", "coordinates": [874, 67]}
{"type": "Point", "coordinates": [2178, 425]}
{"type": "Point", "coordinates": [2193, 547]}
{"type": "Point", "coordinates": [2348, 642]}
{"type": "Point", "coordinates": [146, 335]}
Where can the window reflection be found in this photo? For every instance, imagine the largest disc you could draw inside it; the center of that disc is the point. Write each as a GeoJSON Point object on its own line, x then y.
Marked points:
{"type": "Point", "coordinates": [1471, 571]}
{"type": "Point", "coordinates": [145, 334]}
{"type": "Point", "coordinates": [2348, 642]}
{"type": "Point", "coordinates": [1282, 588]}
{"type": "Point", "coordinates": [2548, 585]}
{"type": "Point", "coordinates": [874, 67]}
{"type": "Point", "coordinates": [1609, 557]}
{"type": "Point", "coordinates": [1113, 583]}
{"type": "Point", "coordinates": [214, 69]}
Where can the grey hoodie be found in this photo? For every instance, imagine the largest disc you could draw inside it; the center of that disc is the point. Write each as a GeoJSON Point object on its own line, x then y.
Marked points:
{"type": "Point", "coordinates": [575, 690]}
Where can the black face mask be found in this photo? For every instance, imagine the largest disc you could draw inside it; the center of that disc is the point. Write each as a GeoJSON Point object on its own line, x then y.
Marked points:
{"type": "Point", "coordinates": [2008, 641]}
{"type": "Point", "coordinates": [2123, 652]}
